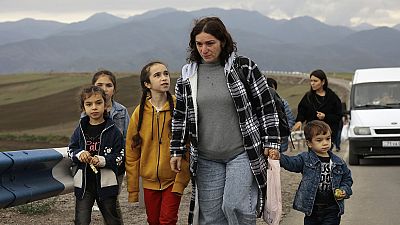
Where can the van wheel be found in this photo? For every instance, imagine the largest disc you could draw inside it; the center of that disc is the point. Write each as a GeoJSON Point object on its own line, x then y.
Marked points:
{"type": "Point", "coordinates": [354, 159]}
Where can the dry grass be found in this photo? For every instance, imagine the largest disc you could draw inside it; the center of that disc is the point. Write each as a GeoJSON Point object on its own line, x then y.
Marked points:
{"type": "Point", "coordinates": [47, 104]}
{"type": "Point", "coordinates": [25, 87]}
{"type": "Point", "coordinates": [53, 108]}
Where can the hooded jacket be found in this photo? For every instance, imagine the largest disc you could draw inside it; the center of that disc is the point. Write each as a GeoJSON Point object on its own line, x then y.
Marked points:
{"type": "Point", "coordinates": [151, 159]}
{"type": "Point", "coordinates": [119, 114]}
{"type": "Point", "coordinates": [111, 151]}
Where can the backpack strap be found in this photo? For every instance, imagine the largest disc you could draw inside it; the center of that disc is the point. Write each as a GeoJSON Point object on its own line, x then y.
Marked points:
{"type": "Point", "coordinates": [242, 77]}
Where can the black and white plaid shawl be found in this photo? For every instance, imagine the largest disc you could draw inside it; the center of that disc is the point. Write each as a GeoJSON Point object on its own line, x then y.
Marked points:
{"type": "Point", "coordinates": [258, 121]}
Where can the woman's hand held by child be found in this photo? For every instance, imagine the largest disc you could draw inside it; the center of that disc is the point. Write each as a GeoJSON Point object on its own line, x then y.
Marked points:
{"type": "Point", "coordinates": [272, 153]}
{"type": "Point", "coordinates": [175, 163]}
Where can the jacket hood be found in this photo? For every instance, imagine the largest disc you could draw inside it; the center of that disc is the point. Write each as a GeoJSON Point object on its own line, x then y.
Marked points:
{"type": "Point", "coordinates": [149, 107]}
{"type": "Point", "coordinates": [190, 69]}
{"type": "Point", "coordinates": [151, 111]}
{"type": "Point", "coordinates": [84, 121]}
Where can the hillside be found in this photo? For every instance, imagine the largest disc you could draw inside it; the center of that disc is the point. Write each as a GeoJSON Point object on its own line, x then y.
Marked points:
{"type": "Point", "coordinates": [46, 111]}
{"type": "Point", "coordinates": [57, 108]}
{"type": "Point", "coordinates": [299, 44]}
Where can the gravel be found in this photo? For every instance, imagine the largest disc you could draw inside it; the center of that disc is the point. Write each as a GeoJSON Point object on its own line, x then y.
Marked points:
{"type": "Point", "coordinates": [62, 207]}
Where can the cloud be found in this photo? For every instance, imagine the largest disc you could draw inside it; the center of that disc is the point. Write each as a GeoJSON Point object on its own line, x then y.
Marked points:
{"type": "Point", "coordinates": [339, 12]}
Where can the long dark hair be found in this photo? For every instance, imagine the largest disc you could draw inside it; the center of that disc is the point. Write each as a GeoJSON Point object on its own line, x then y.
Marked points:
{"type": "Point", "coordinates": [215, 27]}
{"type": "Point", "coordinates": [110, 75]}
{"type": "Point", "coordinates": [145, 78]}
{"type": "Point", "coordinates": [320, 74]}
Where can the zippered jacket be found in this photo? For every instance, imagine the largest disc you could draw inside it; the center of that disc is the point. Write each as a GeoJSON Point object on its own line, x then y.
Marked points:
{"type": "Point", "coordinates": [120, 116]}
{"type": "Point", "coordinates": [150, 160]}
{"type": "Point", "coordinates": [111, 149]}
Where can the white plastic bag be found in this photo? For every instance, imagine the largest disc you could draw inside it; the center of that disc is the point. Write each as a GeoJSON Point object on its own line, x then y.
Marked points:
{"type": "Point", "coordinates": [345, 135]}
{"type": "Point", "coordinates": [273, 206]}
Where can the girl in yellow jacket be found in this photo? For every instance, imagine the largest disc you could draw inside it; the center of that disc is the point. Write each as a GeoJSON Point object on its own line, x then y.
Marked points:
{"type": "Point", "coordinates": [147, 149]}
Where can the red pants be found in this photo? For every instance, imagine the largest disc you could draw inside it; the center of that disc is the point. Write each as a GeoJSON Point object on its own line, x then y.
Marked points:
{"type": "Point", "coordinates": [161, 206]}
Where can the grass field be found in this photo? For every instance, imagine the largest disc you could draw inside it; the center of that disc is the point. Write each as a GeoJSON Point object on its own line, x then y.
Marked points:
{"type": "Point", "coordinates": [24, 87]}
{"type": "Point", "coordinates": [47, 105]}
{"type": "Point", "coordinates": [345, 76]}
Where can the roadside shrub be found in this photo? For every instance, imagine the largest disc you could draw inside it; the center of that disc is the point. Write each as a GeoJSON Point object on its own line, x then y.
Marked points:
{"type": "Point", "coordinates": [33, 138]}
{"type": "Point", "coordinates": [37, 207]}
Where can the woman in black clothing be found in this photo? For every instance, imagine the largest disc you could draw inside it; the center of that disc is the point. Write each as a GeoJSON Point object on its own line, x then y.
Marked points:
{"type": "Point", "coordinates": [320, 103]}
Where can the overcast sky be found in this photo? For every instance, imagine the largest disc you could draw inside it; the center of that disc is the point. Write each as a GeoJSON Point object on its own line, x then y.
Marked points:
{"type": "Point", "coordinates": [334, 12]}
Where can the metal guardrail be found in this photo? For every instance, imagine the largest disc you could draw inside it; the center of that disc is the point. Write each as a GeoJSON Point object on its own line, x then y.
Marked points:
{"type": "Point", "coordinates": [285, 73]}
{"type": "Point", "coordinates": [30, 175]}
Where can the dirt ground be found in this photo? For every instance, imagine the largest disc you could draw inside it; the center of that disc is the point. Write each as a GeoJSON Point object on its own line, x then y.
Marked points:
{"type": "Point", "coordinates": [62, 211]}
{"type": "Point", "coordinates": [62, 207]}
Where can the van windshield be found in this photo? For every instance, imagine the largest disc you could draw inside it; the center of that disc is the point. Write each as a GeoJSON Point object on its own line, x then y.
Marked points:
{"type": "Point", "coordinates": [376, 95]}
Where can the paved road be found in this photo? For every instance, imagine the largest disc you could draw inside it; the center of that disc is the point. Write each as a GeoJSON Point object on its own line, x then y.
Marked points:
{"type": "Point", "coordinates": [376, 189]}
{"type": "Point", "coordinates": [376, 194]}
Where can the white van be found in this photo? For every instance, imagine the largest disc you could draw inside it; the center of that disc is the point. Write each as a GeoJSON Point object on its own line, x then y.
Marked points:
{"type": "Point", "coordinates": [374, 113]}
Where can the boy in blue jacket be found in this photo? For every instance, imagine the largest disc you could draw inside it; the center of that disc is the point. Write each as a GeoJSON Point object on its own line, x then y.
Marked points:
{"type": "Point", "coordinates": [326, 180]}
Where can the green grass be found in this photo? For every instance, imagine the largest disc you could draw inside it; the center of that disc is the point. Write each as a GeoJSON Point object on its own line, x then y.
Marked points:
{"type": "Point", "coordinates": [56, 130]}
{"type": "Point", "coordinates": [346, 76]}
{"type": "Point", "coordinates": [45, 105]}
{"type": "Point", "coordinates": [38, 207]}
{"type": "Point", "coordinates": [31, 138]}
{"type": "Point", "coordinates": [291, 89]}
{"type": "Point", "coordinates": [15, 78]}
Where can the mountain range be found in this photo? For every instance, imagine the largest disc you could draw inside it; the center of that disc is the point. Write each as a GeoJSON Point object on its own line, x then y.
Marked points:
{"type": "Point", "coordinates": [106, 41]}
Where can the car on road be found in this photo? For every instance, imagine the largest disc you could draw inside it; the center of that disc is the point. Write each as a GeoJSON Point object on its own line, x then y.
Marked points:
{"type": "Point", "coordinates": [374, 128]}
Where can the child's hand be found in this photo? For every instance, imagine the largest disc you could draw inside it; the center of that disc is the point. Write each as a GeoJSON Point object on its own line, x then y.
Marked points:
{"type": "Point", "coordinates": [85, 157]}
{"type": "Point", "coordinates": [175, 163]}
{"type": "Point", "coordinates": [95, 161]}
{"type": "Point", "coordinates": [272, 153]}
{"type": "Point", "coordinates": [340, 194]}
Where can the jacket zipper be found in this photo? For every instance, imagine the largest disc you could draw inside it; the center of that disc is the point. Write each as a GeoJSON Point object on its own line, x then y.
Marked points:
{"type": "Point", "coordinates": [333, 189]}
{"type": "Point", "coordinates": [159, 147]}
{"type": "Point", "coordinates": [84, 174]}
{"type": "Point", "coordinates": [98, 152]}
